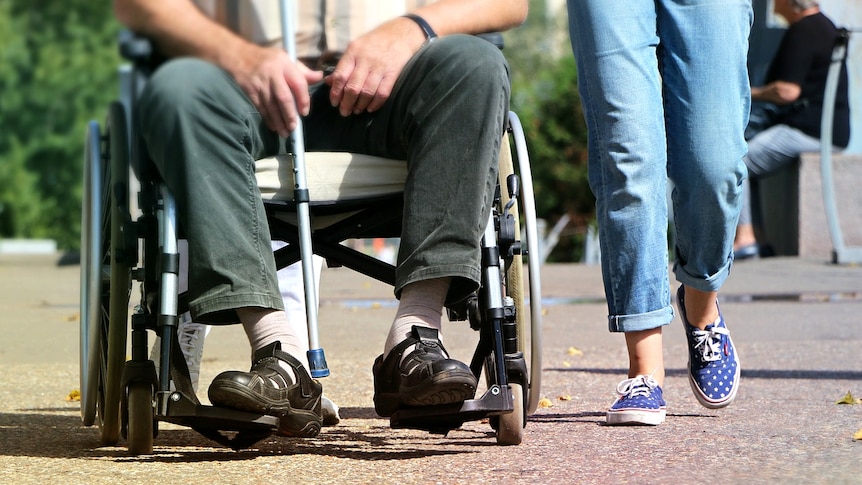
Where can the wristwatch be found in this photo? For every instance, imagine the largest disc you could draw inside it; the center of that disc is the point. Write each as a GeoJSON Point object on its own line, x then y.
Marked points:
{"type": "Point", "coordinates": [430, 35]}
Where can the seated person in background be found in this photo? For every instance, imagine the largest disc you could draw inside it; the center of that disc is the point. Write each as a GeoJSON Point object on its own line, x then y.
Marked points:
{"type": "Point", "coordinates": [796, 81]}
{"type": "Point", "coordinates": [405, 88]}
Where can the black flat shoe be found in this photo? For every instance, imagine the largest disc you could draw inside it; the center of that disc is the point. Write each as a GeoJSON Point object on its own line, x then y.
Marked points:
{"type": "Point", "coordinates": [426, 377]}
{"type": "Point", "coordinates": [269, 389]}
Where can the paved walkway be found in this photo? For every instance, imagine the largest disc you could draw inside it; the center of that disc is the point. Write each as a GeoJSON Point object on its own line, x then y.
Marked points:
{"type": "Point", "coordinates": [796, 324]}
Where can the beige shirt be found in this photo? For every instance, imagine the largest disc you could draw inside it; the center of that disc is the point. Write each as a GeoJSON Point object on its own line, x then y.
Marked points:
{"type": "Point", "coordinates": [324, 27]}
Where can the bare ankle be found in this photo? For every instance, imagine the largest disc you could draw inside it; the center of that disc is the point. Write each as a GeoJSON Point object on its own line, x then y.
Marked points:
{"type": "Point", "coordinates": [700, 307]}
{"type": "Point", "coordinates": [645, 354]}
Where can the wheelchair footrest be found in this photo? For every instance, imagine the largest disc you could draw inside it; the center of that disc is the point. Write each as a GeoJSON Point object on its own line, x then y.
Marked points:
{"type": "Point", "coordinates": [442, 419]}
{"type": "Point", "coordinates": [212, 422]}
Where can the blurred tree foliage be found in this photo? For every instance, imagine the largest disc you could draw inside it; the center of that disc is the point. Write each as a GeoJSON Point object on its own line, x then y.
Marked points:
{"type": "Point", "coordinates": [545, 97]}
{"type": "Point", "coordinates": [58, 64]}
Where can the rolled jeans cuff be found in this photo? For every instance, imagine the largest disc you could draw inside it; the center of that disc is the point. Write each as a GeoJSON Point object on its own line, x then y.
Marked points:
{"type": "Point", "coordinates": [711, 282]}
{"type": "Point", "coordinates": [642, 321]}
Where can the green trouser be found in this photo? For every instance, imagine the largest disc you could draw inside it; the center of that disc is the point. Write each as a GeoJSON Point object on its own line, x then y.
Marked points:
{"type": "Point", "coordinates": [445, 117]}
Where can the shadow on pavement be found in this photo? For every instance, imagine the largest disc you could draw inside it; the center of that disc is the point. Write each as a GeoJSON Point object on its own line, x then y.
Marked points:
{"type": "Point", "coordinates": [59, 433]}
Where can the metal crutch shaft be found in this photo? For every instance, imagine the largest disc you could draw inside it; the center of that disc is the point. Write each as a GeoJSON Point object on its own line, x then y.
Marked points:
{"type": "Point", "coordinates": [316, 357]}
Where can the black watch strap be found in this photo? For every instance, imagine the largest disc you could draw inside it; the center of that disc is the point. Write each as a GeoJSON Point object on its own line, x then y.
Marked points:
{"type": "Point", "coordinates": [430, 35]}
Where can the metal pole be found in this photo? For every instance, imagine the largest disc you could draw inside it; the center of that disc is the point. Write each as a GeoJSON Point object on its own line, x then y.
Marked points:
{"type": "Point", "coordinates": [841, 254]}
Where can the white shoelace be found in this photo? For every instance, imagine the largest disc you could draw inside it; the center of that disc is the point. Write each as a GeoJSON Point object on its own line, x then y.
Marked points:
{"type": "Point", "coordinates": [637, 386]}
{"type": "Point", "coordinates": [708, 342]}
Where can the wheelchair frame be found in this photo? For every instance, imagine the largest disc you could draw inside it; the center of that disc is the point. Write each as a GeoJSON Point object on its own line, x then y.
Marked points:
{"type": "Point", "coordinates": [129, 398]}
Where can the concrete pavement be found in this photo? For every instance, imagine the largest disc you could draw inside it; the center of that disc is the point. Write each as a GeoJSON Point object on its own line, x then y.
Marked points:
{"type": "Point", "coordinates": [797, 325]}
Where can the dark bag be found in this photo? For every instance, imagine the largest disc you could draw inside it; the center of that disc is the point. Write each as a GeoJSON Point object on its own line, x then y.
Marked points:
{"type": "Point", "coordinates": [764, 115]}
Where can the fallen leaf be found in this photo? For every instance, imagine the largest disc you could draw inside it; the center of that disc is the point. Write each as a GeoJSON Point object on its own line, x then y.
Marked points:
{"type": "Point", "coordinates": [858, 435]}
{"type": "Point", "coordinates": [849, 399]}
{"type": "Point", "coordinates": [574, 351]}
{"type": "Point", "coordinates": [566, 363]}
{"type": "Point", "coordinates": [545, 403]}
{"type": "Point", "coordinates": [74, 396]}
{"type": "Point", "coordinates": [565, 398]}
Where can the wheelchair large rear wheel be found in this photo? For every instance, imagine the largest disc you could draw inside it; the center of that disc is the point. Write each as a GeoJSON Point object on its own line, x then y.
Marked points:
{"type": "Point", "coordinates": [106, 276]}
{"type": "Point", "coordinates": [529, 315]}
{"type": "Point", "coordinates": [95, 171]}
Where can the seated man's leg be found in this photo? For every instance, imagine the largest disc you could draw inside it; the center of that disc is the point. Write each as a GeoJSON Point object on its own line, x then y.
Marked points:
{"type": "Point", "coordinates": [191, 335]}
{"type": "Point", "coordinates": [446, 118]}
{"type": "Point", "coordinates": [203, 136]}
{"type": "Point", "coordinates": [290, 281]}
{"type": "Point", "coordinates": [769, 151]}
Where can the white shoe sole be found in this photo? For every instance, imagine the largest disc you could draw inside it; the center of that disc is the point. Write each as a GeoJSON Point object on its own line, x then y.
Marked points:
{"type": "Point", "coordinates": [635, 416]}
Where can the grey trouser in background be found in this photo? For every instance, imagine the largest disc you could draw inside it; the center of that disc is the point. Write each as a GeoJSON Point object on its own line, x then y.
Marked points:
{"type": "Point", "coordinates": [445, 117]}
{"type": "Point", "coordinates": [768, 152]}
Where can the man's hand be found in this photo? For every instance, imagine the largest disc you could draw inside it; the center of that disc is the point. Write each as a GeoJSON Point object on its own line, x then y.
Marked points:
{"type": "Point", "coordinates": [777, 92]}
{"type": "Point", "coordinates": [365, 75]}
{"type": "Point", "coordinates": [277, 86]}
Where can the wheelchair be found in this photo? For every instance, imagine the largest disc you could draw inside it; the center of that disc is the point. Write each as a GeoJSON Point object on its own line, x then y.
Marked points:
{"type": "Point", "coordinates": [124, 248]}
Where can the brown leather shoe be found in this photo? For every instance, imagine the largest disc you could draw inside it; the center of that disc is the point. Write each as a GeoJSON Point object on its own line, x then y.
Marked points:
{"type": "Point", "coordinates": [426, 377]}
{"type": "Point", "coordinates": [269, 389]}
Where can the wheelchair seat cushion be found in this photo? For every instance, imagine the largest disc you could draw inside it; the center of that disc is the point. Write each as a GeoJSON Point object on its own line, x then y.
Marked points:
{"type": "Point", "coordinates": [332, 177]}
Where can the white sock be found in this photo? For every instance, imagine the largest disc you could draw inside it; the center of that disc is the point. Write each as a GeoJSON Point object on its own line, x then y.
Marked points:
{"type": "Point", "coordinates": [421, 305]}
{"type": "Point", "coordinates": [265, 326]}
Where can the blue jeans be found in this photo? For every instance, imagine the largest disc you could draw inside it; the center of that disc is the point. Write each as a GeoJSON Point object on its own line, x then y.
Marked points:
{"type": "Point", "coordinates": [665, 93]}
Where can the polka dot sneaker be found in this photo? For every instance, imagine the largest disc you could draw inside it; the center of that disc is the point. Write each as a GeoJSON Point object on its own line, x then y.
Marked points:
{"type": "Point", "coordinates": [713, 366]}
{"type": "Point", "coordinates": [640, 401]}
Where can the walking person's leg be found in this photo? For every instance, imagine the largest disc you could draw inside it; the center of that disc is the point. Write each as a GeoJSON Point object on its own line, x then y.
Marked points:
{"type": "Point", "coordinates": [707, 101]}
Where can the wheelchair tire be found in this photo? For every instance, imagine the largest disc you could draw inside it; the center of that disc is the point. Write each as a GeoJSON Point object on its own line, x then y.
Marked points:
{"type": "Point", "coordinates": [140, 413]}
{"type": "Point", "coordinates": [117, 256]}
{"type": "Point", "coordinates": [527, 215]}
{"type": "Point", "coordinates": [95, 171]}
{"type": "Point", "coordinates": [515, 272]}
{"type": "Point", "coordinates": [106, 275]}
